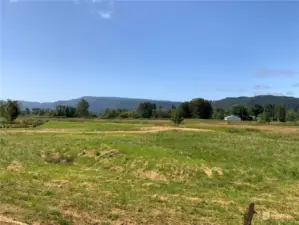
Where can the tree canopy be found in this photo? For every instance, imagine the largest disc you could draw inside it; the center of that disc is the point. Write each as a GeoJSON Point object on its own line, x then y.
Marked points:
{"type": "Point", "coordinates": [200, 108]}
{"type": "Point", "coordinates": [82, 108]}
{"type": "Point", "coordinates": [257, 109]}
{"type": "Point", "coordinates": [241, 112]}
{"type": "Point", "coordinates": [10, 110]}
{"type": "Point", "coordinates": [185, 110]}
{"type": "Point", "coordinates": [145, 109]}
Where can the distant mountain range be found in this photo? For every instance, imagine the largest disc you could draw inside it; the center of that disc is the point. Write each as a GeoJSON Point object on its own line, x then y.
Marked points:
{"type": "Point", "coordinates": [99, 104]}
{"type": "Point", "coordinates": [288, 102]}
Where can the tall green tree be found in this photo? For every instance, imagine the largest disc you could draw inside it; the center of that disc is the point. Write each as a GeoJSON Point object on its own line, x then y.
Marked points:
{"type": "Point", "coordinates": [110, 114]}
{"type": "Point", "coordinates": [10, 110]}
{"type": "Point", "coordinates": [60, 110]}
{"type": "Point", "coordinates": [257, 110]}
{"type": "Point", "coordinates": [145, 109]}
{"type": "Point", "coordinates": [27, 111]}
{"type": "Point", "coordinates": [70, 111]}
{"type": "Point", "coordinates": [82, 108]}
{"type": "Point", "coordinates": [185, 110]}
{"type": "Point", "coordinates": [200, 108]}
{"type": "Point", "coordinates": [218, 114]}
{"type": "Point", "coordinates": [270, 109]}
{"type": "Point", "coordinates": [163, 113]}
{"type": "Point", "coordinates": [292, 116]}
{"type": "Point", "coordinates": [280, 113]}
{"type": "Point", "coordinates": [241, 111]}
{"type": "Point", "coordinates": [266, 116]}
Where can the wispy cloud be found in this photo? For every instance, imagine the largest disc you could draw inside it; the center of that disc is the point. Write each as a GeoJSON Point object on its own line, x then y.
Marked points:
{"type": "Point", "coordinates": [262, 86]}
{"type": "Point", "coordinates": [290, 93]}
{"type": "Point", "coordinates": [105, 14]}
{"type": "Point", "coordinates": [239, 90]}
{"type": "Point", "coordinates": [103, 8]}
{"type": "Point", "coordinates": [268, 93]}
{"type": "Point", "coordinates": [276, 73]}
{"type": "Point", "coordinates": [107, 8]}
{"type": "Point", "coordinates": [296, 85]}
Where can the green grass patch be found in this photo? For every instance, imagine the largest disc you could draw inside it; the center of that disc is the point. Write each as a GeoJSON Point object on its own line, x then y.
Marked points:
{"type": "Point", "coordinates": [155, 178]}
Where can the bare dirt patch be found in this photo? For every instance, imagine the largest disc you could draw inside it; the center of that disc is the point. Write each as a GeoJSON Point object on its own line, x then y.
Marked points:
{"type": "Point", "coordinates": [12, 214]}
{"type": "Point", "coordinates": [118, 169]}
{"type": "Point", "coordinates": [8, 221]}
{"type": "Point", "coordinates": [152, 175]}
{"type": "Point", "coordinates": [187, 198]}
{"type": "Point", "coordinates": [72, 131]}
{"type": "Point", "coordinates": [207, 171]}
{"type": "Point", "coordinates": [87, 185]}
{"type": "Point", "coordinates": [210, 171]}
{"type": "Point", "coordinates": [80, 217]}
{"type": "Point", "coordinates": [109, 153]}
{"type": "Point", "coordinates": [222, 203]}
{"type": "Point", "coordinates": [280, 216]}
{"type": "Point", "coordinates": [218, 171]}
{"type": "Point", "coordinates": [15, 166]}
{"type": "Point", "coordinates": [118, 211]}
{"type": "Point", "coordinates": [242, 183]}
{"type": "Point", "coordinates": [58, 183]}
{"type": "Point", "coordinates": [123, 221]}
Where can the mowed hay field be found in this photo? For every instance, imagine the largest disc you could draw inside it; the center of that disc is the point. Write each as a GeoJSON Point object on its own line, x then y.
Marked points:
{"type": "Point", "coordinates": [148, 172]}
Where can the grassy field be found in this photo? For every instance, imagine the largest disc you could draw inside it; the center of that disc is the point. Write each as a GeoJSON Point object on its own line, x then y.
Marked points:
{"type": "Point", "coordinates": [67, 172]}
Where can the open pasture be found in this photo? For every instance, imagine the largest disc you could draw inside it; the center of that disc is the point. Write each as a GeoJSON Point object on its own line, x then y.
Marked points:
{"type": "Point", "coordinates": [149, 172]}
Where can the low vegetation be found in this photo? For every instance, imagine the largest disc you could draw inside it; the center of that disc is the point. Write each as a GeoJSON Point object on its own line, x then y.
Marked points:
{"type": "Point", "coordinates": [64, 173]}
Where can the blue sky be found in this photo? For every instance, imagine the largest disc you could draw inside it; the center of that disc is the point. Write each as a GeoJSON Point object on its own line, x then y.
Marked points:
{"type": "Point", "coordinates": [173, 50]}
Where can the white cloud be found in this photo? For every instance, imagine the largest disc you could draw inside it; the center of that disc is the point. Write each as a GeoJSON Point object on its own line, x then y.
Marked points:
{"type": "Point", "coordinates": [276, 73]}
{"type": "Point", "coordinates": [239, 90]}
{"type": "Point", "coordinates": [262, 86]}
{"type": "Point", "coordinates": [268, 93]}
{"type": "Point", "coordinates": [105, 14]}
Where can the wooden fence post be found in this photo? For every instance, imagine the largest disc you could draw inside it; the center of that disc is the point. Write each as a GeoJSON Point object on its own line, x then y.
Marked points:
{"type": "Point", "coordinates": [248, 215]}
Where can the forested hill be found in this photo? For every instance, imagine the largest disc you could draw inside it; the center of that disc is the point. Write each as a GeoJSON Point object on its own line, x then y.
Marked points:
{"type": "Point", "coordinates": [288, 102]}
{"type": "Point", "coordinates": [99, 104]}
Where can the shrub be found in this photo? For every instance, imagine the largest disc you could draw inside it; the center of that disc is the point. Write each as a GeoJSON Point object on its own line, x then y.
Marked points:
{"type": "Point", "coordinates": [177, 117]}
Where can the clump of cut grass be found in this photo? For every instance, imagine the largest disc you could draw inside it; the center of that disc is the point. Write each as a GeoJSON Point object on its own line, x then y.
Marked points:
{"type": "Point", "coordinates": [59, 158]}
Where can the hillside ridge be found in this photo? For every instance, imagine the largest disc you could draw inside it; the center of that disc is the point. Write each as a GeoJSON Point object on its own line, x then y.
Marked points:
{"type": "Point", "coordinates": [99, 104]}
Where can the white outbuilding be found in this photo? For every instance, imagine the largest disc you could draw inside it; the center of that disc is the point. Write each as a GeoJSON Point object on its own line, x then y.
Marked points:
{"type": "Point", "coordinates": [232, 118]}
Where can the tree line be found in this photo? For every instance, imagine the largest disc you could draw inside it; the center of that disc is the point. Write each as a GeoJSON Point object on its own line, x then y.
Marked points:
{"type": "Point", "coordinates": [196, 108]}
{"type": "Point", "coordinates": [10, 110]}
{"type": "Point", "coordinates": [267, 113]}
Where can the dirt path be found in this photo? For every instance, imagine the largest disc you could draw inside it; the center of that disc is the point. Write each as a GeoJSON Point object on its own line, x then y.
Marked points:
{"type": "Point", "coordinates": [8, 221]}
{"type": "Point", "coordinates": [72, 131]}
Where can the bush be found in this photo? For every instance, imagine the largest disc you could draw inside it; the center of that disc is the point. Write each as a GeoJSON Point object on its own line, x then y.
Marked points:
{"type": "Point", "coordinates": [29, 123]}
{"type": "Point", "coordinates": [177, 117]}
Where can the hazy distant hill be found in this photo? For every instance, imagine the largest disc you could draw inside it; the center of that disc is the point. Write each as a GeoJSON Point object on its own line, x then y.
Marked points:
{"type": "Point", "coordinates": [289, 102]}
{"type": "Point", "coordinates": [99, 104]}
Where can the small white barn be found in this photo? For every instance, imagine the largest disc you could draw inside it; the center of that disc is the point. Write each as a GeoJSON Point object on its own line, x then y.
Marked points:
{"type": "Point", "coordinates": [232, 118]}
